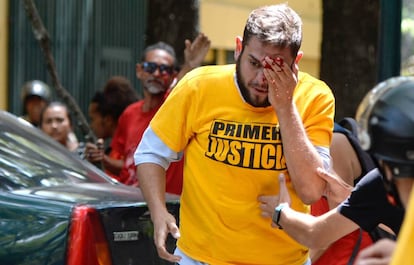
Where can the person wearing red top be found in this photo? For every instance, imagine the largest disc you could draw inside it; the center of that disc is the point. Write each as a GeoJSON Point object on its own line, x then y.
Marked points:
{"type": "Point", "coordinates": [158, 75]}
{"type": "Point", "coordinates": [131, 126]}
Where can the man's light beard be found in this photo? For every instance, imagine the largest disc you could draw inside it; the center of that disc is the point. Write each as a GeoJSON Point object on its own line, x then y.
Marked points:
{"type": "Point", "coordinates": [155, 89]}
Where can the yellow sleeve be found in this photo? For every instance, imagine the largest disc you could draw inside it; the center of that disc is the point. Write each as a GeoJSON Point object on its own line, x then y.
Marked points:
{"type": "Point", "coordinates": [404, 251]}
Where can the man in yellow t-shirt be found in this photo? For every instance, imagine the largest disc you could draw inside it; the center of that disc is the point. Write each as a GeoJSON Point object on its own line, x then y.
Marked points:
{"type": "Point", "coordinates": [240, 126]}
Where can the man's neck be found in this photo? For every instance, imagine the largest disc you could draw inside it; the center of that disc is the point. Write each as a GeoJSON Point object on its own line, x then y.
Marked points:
{"type": "Point", "coordinates": [152, 101]}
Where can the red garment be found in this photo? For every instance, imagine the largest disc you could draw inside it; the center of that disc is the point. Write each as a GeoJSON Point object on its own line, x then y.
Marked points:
{"type": "Point", "coordinates": [131, 126]}
{"type": "Point", "coordinates": [341, 250]}
{"type": "Point", "coordinates": [117, 156]}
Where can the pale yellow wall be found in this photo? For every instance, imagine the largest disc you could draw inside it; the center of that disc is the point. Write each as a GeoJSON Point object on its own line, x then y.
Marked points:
{"type": "Point", "coordinates": [223, 20]}
{"type": "Point", "coordinates": [3, 53]}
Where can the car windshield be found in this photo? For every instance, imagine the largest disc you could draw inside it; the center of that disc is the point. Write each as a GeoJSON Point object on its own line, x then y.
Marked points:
{"type": "Point", "coordinates": [29, 159]}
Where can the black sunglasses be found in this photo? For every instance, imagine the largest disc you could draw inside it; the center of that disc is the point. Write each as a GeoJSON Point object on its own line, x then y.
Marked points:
{"type": "Point", "coordinates": [150, 67]}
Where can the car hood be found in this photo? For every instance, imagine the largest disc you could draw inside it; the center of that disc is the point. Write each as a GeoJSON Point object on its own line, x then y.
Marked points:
{"type": "Point", "coordinates": [90, 193]}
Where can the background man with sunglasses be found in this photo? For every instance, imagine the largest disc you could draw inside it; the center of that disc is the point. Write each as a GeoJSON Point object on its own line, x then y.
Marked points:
{"type": "Point", "coordinates": [157, 72]}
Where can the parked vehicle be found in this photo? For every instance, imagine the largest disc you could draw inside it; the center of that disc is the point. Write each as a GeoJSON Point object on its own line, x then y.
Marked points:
{"type": "Point", "coordinates": [58, 209]}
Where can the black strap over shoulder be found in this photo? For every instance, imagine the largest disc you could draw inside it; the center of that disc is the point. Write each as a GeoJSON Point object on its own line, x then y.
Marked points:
{"type": "Point", "coordinates": [355, 251]}
{"type": "Point", "coordinates": [348, 126]}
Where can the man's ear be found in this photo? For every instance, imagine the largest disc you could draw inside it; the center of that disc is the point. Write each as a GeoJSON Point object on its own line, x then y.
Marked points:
{"type": "Point", "coordinates": [298, 57]}
{"type": "Point", "coordinates": [239, 47]}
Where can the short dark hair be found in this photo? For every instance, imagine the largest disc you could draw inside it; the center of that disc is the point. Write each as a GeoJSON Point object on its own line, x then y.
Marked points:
{"type": "Point", "coordinates": [277, 25]}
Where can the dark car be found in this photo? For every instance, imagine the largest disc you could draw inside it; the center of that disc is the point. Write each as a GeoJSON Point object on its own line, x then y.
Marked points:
{"type": "Point", "coordinates": [58, 209]}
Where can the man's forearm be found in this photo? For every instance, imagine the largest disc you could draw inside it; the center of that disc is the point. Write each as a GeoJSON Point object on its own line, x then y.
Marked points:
{"type": "Point", "coordinates": [301, 156]}
{"type": "Point", "coordinates": [151, 179]}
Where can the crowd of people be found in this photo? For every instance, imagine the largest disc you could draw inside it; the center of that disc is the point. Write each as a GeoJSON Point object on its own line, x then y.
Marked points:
{"type": "Point", "coordinates": [265, 175]}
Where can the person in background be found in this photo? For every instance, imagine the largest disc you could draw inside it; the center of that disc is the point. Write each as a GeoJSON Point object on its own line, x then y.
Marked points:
{"type": "Point", "coordinates": [56, 121]}
{"type": "Point", "coordinates": [350, 163]}
{"type": "Point", "coordinates": [156, 71]}
{"type": "Point", "coordinates": [35, 96]}
{"type": "Point", "coordinates": [389, 122]}
{"type": "Point", "coordinates": [385, 125]}
{"type": "Point", "coordinates": [105, 109]}
{"type": "Point", "coordinates": [238, 126]}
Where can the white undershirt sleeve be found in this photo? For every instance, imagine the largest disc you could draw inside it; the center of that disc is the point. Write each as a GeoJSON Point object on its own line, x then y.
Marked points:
{"type": "Point", "coordinates": [152, 149]}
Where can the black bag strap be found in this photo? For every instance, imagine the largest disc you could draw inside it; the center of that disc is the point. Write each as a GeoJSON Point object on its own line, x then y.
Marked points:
{"type": "Point", "coordinates": [356, 248]}
{"type": "Point", "coordinates": [349, 127]}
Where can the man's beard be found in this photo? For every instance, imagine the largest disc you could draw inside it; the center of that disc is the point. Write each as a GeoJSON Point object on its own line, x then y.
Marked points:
{"type": "Point", "coordinates": [154, 88]}
{"type": "Point", "coordinates": [244, 90]}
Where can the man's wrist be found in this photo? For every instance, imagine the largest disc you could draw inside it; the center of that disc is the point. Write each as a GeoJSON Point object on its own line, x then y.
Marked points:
{"type": "Point", "coordinates": [277, 213]}
{"type": "Point", "coordinates": [188, 66]}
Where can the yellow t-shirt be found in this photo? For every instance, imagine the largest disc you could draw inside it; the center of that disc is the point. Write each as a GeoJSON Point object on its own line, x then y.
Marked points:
{"type": "Point", "coordinates": [233, 154]}
{"type": "Point", "coordinates": [404, 251]}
